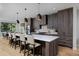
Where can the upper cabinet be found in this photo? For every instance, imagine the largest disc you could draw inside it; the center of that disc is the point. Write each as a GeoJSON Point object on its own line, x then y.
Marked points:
{"type": "Point", "coordinates": [62, 21]}
{"type": "Point", "coordinates": [70, 26]}
{"type": "Point", "coordinates": [65, 22]}
{"type": "Point", "coordinates": [52, 21]}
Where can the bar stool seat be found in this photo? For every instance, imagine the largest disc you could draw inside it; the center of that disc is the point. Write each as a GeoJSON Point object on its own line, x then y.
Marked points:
{"type": "Point", "coordinates": [35, 45]}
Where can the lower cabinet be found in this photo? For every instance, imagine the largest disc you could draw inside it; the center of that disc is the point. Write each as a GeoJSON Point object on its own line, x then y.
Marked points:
{"type": "Point", "coordinates": [66, 41]}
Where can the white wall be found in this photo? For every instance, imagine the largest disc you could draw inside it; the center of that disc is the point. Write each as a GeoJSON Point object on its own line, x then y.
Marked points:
{"type": "Point", "coordinates": [78, 24]}
{"type": "Point", "coordinates": [74, 28]}
{"type": "Point", "coordinates": [77, 28]}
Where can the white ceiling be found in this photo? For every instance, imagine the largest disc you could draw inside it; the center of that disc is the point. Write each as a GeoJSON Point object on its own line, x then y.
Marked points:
{"type": "Point", "coordinates": [8, 10]}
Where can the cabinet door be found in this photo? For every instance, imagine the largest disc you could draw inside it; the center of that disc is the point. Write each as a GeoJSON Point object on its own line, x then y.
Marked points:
{"type": "Point", "coordinates": [70, 22]}
{"type": "Point", "coordinates": [52, 21]}
{"type": "Point", "coordinates": [65, 22]}
{"type": "Point", "coordinates": [61, 23]}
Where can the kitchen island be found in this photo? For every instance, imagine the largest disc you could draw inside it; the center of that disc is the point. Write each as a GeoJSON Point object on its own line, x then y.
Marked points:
{"type": "Point", "coordinates": [50, 47]}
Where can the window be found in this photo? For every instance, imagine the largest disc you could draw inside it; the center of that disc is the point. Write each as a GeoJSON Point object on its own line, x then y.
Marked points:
{"type": "Point", "coordinates": [8, 27]}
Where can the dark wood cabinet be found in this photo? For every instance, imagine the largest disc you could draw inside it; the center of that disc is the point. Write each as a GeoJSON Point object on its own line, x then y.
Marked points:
{"type": "Point", "coordinates": [52, 21]}
{"type": "Point", "coordinates": [65, 27]}
{"type": "Point", "coordinates": [62, 21]}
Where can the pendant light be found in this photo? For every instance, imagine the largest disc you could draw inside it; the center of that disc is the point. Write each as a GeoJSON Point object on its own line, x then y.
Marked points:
{"type": "Point", "coordinates": [25, 19]}
{"type": "Point", "coordinates": [39, 17]}
{"type": "Point", "coordinates": [17, 18]}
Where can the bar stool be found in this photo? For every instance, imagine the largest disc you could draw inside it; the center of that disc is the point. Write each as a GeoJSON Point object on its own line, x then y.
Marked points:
{"type": "Point", "coordinates": [17, 41]}
{"type": "Point", "coordinates": [32, 45]}
{"type": "Point", "coordinates": [13, 39]}
{"type": "Point", "coordinates": [23, 44]}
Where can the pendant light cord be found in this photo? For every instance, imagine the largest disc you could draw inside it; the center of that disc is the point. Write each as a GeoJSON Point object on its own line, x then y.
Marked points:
{"type": "Point", "coordinates": [38, 7]}
{"type": "Point", "coordinates": [25, 12]}
{"type": "Point", "coordinates": [17, 15]}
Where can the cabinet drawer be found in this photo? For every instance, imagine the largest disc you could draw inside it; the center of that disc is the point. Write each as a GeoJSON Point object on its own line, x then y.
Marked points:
{"type": "Point", "coordinates": [66, 44]}
{"type": "Point", "coordinates": [66, 41]}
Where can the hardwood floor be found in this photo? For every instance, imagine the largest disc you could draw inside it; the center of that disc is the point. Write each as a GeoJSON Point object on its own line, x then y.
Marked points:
{"type": "Point", "coordinates": [6, 50]}
{"type": "Point", "coordinates": [64, 51]}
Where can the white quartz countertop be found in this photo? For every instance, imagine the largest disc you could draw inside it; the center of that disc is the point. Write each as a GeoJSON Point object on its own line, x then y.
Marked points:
{"type": "Point", "coordinates": [45, 37]}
